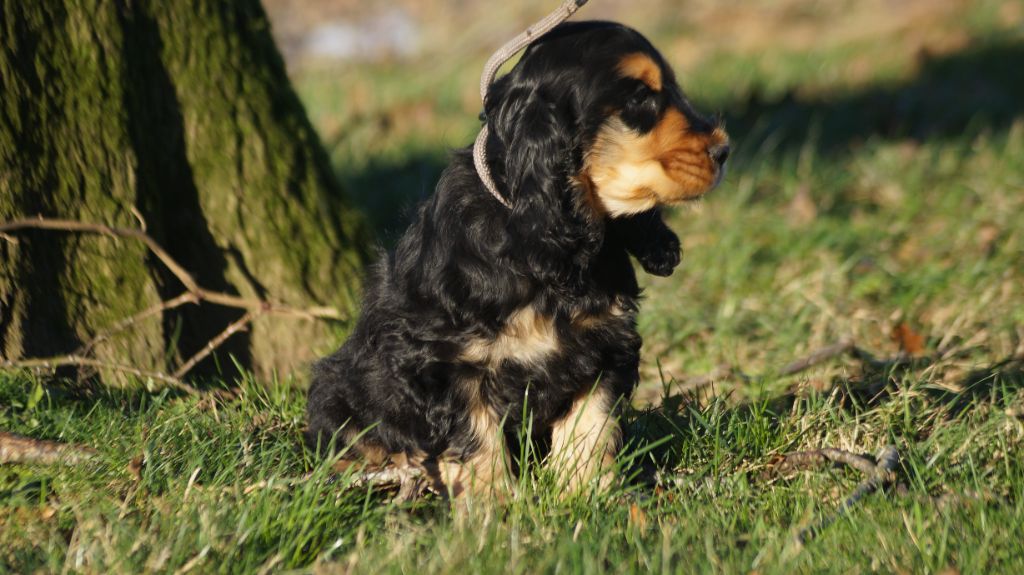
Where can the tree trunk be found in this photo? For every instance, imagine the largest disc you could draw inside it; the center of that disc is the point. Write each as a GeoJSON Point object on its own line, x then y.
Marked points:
{"type": "Point", "coordinates": [177, 114]}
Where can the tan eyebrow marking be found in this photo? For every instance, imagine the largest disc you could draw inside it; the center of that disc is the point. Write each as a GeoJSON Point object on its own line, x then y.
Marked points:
{"type": "Point", "coordinates": [642, 67]}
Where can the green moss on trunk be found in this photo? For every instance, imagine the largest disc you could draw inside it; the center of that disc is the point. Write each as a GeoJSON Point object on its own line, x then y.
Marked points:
{"type": "Point", "coordinates": [64, 152]}
{"type": "Point", "coordinates": [182, 113]}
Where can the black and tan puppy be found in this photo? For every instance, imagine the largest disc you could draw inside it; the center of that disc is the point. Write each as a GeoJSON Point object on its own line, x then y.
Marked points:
{"type": "Point", "coordinates": [484, 315]}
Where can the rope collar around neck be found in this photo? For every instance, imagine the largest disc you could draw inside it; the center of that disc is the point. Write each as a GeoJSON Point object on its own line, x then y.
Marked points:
{"type": "Point", "coordinates": [511, 48]}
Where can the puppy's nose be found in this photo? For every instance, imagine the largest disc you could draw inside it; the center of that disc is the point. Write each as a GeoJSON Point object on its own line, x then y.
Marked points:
{"type": "Point", "coordinates": [719, 153]}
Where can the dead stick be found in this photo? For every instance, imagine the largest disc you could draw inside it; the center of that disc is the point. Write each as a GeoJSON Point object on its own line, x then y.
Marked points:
{"type": "Point", "coordinates": [216, 342]}
{"type": "Point", "coordinates": [724, 371]}
{"type": "Point", "coordinates": [880, 475]}
{"type": "Point", "coordinates": [410, 480]}
{"type": "Point", "coordinates": [58, 361]}
{"type": "Point", "coordinates": [20, 449]}
{"type": "Point", "coordinates": [220, 298]}
{"type": "Point", "coordinates": [384, 477]}
{"type": "Point", "coordinates": [808, 459]}
{"type": "Point", "coordinates": [187, 297]}
{"type": "Point", "coordinates": [828, 352]}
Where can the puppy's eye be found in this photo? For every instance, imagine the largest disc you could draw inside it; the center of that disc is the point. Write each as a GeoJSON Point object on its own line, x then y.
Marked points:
{"type": "Point", "coordinates": [638, 99]}
{"type": "Point", "coordinates": [641, 109]}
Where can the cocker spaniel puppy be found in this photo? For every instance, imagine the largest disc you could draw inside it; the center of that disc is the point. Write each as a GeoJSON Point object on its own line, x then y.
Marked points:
{"type": "Point", "coordinates": [484, 315]}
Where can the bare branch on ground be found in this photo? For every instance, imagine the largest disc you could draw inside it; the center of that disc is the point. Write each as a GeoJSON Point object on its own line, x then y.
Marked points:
{"type": "Point", "coordinates": [802, 460]}
{"type": "Point", "coordinates": [877, 474]}
{"type": "Point", "coordinates": [411, 481]}
{"type": "Point", "coordinates": [21, 449]}
{"type": "Point", "coordinates": [841, 348]}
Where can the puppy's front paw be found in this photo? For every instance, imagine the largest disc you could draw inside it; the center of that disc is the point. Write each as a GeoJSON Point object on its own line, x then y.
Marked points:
{"type": "Point", "coordinates": [661, 259]}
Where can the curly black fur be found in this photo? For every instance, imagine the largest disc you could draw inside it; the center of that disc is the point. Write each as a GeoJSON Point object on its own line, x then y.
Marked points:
{"type": "Point", "coordinates": [467, 264]}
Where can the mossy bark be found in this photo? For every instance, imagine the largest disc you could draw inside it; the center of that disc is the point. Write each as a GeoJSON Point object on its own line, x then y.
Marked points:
{"type": "Point", "coordinates": [179, 113]}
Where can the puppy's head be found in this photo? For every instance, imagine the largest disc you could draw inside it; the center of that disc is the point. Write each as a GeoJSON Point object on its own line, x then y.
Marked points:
{"type": "Point", "coordinates": [594, 105]}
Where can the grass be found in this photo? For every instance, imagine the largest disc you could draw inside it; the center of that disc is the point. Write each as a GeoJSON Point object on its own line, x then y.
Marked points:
{"type": "Point", "coordinates": [215, 492]}
{"type": "Point", "coordinates": [872, 187]}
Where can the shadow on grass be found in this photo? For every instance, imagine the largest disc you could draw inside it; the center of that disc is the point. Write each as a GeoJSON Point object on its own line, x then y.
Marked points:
{"type": "Point", "coordinates": [984, 384]}
{"type": "Point", "coordinates": [991, 383]}
{"type": "Point", "coordinates": [685, 428]}
{"type": "Point", "coordinates": [978, 88]}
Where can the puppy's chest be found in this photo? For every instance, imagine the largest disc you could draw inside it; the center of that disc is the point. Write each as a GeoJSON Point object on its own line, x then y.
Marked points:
{"type": "Point", "coordinates": [531, 338]}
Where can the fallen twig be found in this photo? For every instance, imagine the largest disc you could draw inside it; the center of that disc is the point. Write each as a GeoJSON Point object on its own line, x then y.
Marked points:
{"type": "Point", "coordinates": [391, 475]}
{"type": "Point", "coordinates": [828, 352]}
{"type": "Point", "coordinates": [410, 480]}
{"type": "Point", "coordinates": [808, 459]}
{"type": "Point", "coordinates": [877, 475]}
{"type": "Point", "coordinates": [20, 449]}
{"type": "Point", "coordinates": [727, 371]}
{"type": "Point", "coordinates": [721, 372]}
{"type": "Point", "coordinates": [175, 302]}
{"type": "Point", "coordinates": [216, 342]}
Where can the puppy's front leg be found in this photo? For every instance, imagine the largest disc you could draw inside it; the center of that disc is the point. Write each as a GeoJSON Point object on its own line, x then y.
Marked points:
{"type": "Point", "coordinates": [485, 470]}
{"type": "Point", "coordinates": [646, 236]}
{"type": "Point", "coordinates": [585, 441]}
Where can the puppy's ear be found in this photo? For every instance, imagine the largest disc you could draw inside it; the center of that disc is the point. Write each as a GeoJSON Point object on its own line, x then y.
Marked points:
{"type": "Point", "coordinates": [536, 133]}
{"type": "Point", "coordinates": [536, 138]}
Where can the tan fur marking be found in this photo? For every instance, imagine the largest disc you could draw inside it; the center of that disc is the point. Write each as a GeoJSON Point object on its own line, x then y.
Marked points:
{"type": "Point", "coordinates": [372, 454]}
{"type": "Point", "coordinates": [643, 68]}
{"type": "Point", "coordinates": [583, 444]}
{"type": "Point", "coordinates": [634, 172]}
{"type": "Point", "coordinates": [593, 320]}
{"type": "Point", "coordinates": [359, 450]}
{"type": "Point", "coordinates": [485, 471]}
{"type": "Point", "coordinates": [528, 337]}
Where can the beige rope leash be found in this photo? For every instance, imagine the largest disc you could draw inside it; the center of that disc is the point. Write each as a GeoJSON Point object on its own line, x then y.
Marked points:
{"type": "Point", "coordinates": [511, 48]}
